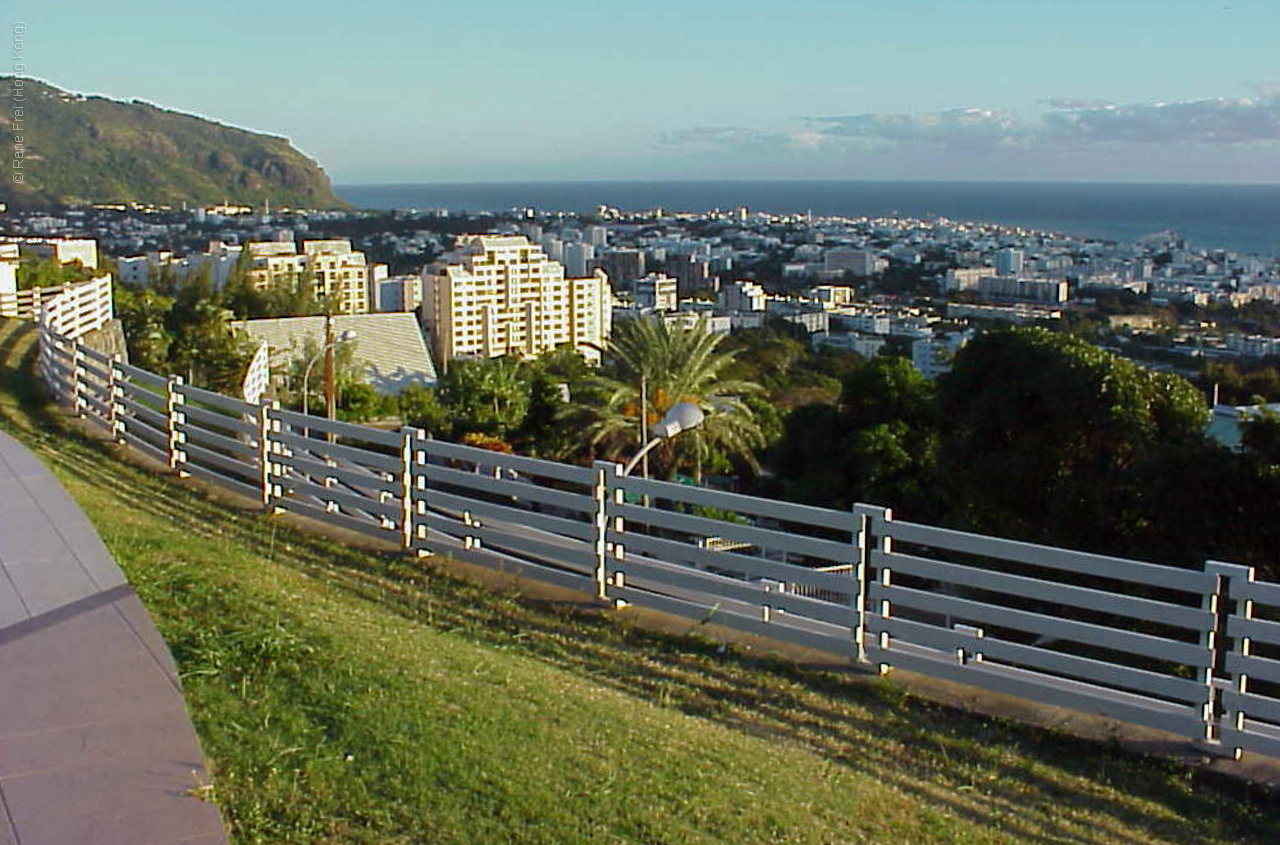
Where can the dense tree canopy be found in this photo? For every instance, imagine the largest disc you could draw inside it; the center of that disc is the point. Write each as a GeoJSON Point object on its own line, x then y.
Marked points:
{"type": "Point", "coordinates": [1052, 439]}
{"type": "Point", "coordinates": [879, 444]}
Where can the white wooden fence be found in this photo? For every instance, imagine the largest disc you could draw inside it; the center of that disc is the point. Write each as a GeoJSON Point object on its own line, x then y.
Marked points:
{"type": "Point", "coordinates": [1194, 653]}
{"type": "Point", "coordinates": [71, 310]}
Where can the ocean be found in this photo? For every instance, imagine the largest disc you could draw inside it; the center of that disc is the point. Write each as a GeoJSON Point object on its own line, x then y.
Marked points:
{"type": "Point", "coordinates": [1242, 218]}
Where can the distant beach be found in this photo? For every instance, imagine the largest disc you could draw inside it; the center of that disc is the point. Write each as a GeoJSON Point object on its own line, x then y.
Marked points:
{"type": "Point", "coordinates": [1241, 218]}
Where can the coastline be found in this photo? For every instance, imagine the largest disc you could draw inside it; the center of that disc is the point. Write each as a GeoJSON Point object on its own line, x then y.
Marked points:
{"type": "Point", "coordinates": [1235, 217]}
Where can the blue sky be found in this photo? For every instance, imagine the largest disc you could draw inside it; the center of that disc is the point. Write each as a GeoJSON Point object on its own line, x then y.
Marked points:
{"type": "Point", "coordinates": [489, 90]}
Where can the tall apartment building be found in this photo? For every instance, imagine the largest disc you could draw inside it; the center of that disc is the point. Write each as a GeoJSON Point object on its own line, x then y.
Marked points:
{"type": "Point", "coordinates": [622, 266]}
{"type": "Point", "coordinates": [692, 273]}
{"type": "Point", "coordinates": [496, 295]}
{"type": "Point", "coordinates": [336, 270]}
{"type": "Point", "coordinates": [577, 257]}
{"type": "Point", "coordinates": [1009, 262]}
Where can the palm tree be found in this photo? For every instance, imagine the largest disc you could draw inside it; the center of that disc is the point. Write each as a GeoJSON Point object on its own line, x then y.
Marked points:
{"type": "Point", "coordinates": [671, 364]}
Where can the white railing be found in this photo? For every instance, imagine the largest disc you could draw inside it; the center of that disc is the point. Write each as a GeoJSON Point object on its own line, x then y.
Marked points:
{"type": "Point", "coordinates": [1194, 653]}
{"type": "Point", "coordinates": [71, 310]}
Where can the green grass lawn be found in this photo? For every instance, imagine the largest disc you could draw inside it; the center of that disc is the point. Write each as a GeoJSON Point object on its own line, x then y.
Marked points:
{"type": "Point", "coordinates": [349, 696]}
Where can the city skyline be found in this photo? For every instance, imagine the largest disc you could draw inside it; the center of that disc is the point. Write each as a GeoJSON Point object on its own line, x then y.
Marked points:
{"type": "Point", "coordinates": [1132, 91]}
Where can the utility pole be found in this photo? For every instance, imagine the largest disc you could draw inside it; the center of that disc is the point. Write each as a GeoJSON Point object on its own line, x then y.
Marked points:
{"type": "Point", "coordinates": [330, 391]}
{"type": "Point", "coordinates": [644, 429]}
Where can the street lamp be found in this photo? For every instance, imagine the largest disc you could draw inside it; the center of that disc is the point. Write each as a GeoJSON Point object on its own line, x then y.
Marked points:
{"type": "Point", "coordinates": [682, 416]}
{"type": "Point", "coordinates": [329, 344]}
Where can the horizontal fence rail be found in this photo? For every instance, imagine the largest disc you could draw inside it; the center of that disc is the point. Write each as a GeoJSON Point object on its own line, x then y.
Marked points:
{"type": "Point", "coordinates": [1113, 637]}
{"type": "Point", "coordinates": [1193, 653]}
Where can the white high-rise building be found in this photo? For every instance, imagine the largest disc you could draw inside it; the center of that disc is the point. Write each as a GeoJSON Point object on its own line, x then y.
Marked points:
{"type": "Point", "coordinates": [1009, 262]}
{"type": "Point", "coordinates": [497, 295]}
{"type": "Point", "coordinates": [576, 258]}
{"type": "Point", "coordinates": [554, 247]}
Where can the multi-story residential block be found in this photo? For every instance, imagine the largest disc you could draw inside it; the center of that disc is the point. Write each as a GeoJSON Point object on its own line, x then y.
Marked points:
{"type": "Point", "coordinates": [867, 347]}
{"type": "Point", "coordinates": [833, 296]}
{"type": "Point", "coordinates": [1026, 290]}
{"type": "Point", "coordinates": [577, 257]}
{"type": "Point", "coordinates": [657, 291]}
{"type": "Point", "coordinates": [1019, 314]}
{"type": "Point", "coordinates": [692, 273]}
{"type": "Point", "coordinates": [399, 293]}
{"type": "Point", "coordinates": [499, 295]}
{"type": "Point", "coordinates": [865, 322]}
{"type": "Point", "coordinates": [622, 266]}
{"type": "Point", "coordinates": [220, 258]}
{"type": "Point", "coordinates": [1253, 346]}
{"type": "Point", "coordinates": [690, 319]}
{"type": "Point", "coordinates": [932, 356]}
{"type": "Point", "coordinates": [1009, 262]}
{"type": "Point", "coordinates": [857, 261]}
{"type": "Point", "coordinates": [65, 250]}
{"type": "Point", "coordinates": [742, 296]}
{"type": "Point", "coordinates": [965, 278]}
{"type": "Point", "coordinates": [554, 247]}
{"type": "Point", "coordinates": [336, 271]}
{"type": "Point", "coordinates": [62, 250]}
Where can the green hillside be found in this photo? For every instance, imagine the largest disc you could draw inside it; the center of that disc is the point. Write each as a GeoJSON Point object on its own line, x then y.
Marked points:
{"type": "Point", "coordinates": [92, 149]}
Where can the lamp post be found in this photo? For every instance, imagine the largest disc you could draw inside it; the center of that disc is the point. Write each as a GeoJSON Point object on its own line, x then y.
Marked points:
{"type": "Point", "coordinates": [682, 416]}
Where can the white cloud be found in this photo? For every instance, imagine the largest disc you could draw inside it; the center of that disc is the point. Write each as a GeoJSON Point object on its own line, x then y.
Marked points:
{"type": "Point", "coordinates": [1220, 121]}
{"type": "Point", "coordinates": [1076, 103]}
{"type": "Point", "coordinates": [1071, 122]}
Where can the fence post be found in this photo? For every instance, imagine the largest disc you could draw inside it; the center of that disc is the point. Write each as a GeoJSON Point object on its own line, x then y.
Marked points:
{"type": "Point", "coordinates": [265, 450]}
{"type": "Point", "coordinates": [174, 400]}
{"type": "Point", "coordinates": [42, 359]}
{"type": "Point", "coordinates": [420, 527]}
{"type": "Point", "coordinates": [113, 391]}
{"type": "Point", "coordinates": [606, 492]}
{"type": "Point", "coordinates": [77, 372]}
{"type": "Point", "coordinates": [408, 437]}
{"type": "Point", "coordinates": [885, 577]}
{"type": "Point", "coordinates": [865, 536]}
{"type": "Point", "coordinates": [1225, 575]}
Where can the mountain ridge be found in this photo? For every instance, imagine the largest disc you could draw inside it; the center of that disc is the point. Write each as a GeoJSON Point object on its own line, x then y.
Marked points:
{"type": "Point", "coordinates": [89, 148]}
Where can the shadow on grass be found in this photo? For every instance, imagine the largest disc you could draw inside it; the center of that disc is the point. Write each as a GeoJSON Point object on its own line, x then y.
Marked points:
{"type": "Point", "coordinates": [948, 758]}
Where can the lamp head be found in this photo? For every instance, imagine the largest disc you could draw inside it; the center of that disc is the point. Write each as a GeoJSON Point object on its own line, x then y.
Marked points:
{"type": "Point", "coordinates": [682, 416]}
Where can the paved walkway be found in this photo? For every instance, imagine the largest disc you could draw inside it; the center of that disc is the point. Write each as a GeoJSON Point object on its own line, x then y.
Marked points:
{"type": "Point", "coordinates": [96, 746]}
